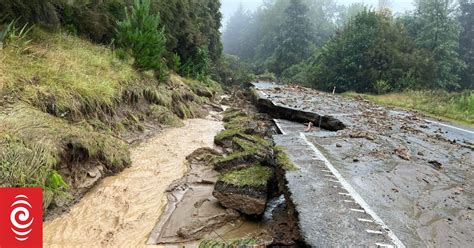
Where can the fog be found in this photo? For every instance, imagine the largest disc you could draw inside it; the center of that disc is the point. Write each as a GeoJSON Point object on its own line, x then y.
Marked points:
{"type": "Point", "coordinates": [229, 6]}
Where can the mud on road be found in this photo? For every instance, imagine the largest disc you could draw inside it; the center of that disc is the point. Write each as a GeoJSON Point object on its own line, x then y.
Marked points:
{"type": "Point", "coordinates": [415, 174]}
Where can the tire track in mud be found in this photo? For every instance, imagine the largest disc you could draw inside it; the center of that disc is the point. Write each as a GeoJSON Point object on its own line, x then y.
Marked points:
{"type": "Point", "coordinates": [122, 210]}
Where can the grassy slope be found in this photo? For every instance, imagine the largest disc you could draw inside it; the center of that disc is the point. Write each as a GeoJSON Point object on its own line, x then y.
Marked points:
{"type": "Point", "coordinates": [457, 107]}
{"type": "Point", "coordinates": [65, 100]}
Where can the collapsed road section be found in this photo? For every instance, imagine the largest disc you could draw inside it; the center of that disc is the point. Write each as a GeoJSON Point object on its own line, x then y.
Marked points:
{"type": "Point", "coordinates": [385, 178]}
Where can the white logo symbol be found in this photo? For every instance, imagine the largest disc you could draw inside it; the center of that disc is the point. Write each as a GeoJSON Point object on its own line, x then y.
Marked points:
{"type": "Point", "coordinates": [20, 218]}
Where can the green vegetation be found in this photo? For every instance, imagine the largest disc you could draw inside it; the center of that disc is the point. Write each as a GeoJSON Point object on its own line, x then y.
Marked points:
{"type": "Point", "coordinates": [254, 176]}
{"type": "Point", "coordinates": [294, 38]}
{"type": "Point", "coordinates": [140, 34]}
{"type": "Point", "coordinates": [357, 48]}
{"type": "Point", "coordinates": [228, 244]}
{"type": "Point", "coordinates": [372, 41]}
{"type": "Point", "coordinates": [282, 159]}
{"type": "Point", "coordinates": [195, 43]}
{"type": "Point", "coordinates": [453, 106]}
{"type": "Point", "coordinates": [66, 100]}
{"type": "Point", "coordinates": [33, 143]}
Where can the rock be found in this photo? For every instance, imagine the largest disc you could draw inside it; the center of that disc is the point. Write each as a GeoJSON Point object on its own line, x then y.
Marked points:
{"type": "Point", "coordinates": [436, 164]}
{"type": "Point", "coordinates": [362, 134]}
{"type": "Point", "coordinates": [403, 153]}
{"type": "Point", "coordinates": [202, 156]}
{"type": "Point", "coordinates": [338, 145]}
{"type": "Point", "coordinates": [247, 200]}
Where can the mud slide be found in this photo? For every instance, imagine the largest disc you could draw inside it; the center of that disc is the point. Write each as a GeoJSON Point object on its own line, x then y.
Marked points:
{"type": "Point", "coordinates": [122, 210]}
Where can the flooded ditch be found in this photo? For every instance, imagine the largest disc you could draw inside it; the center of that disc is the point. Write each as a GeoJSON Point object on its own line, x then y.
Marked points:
{"type": "Point", "coordinates": [122, 210]}
{"type": "Point", "coordinates": [168, 198]}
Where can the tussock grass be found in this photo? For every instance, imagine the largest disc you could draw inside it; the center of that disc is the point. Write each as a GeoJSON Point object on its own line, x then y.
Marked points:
{"type": "Point", "coordinates": [243, 242]}
{"type": "Point", "coordinates": [282, 159]}
{"type": "Point", "coordinates": [32, 144]}
{"type": "Point", "coordinates": [254, 176]}
{"type": "Point", "coordinates": [65, 100]}
{"type": "Point", "coordinates": [458, 107]}
{"type": "Point", "coordinates": [64, 75]}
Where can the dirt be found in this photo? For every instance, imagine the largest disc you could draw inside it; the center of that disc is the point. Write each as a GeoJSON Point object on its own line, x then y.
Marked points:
{"type": "Point", "coordinates": [122, 210]}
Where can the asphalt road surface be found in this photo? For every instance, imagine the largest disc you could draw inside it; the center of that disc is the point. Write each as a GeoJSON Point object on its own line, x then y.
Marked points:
{"type": "Point", "coordinates": [391, 178]}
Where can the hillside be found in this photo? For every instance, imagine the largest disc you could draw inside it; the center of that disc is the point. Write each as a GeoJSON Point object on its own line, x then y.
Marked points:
{"type": "Point", "coordinates": [69, 107]}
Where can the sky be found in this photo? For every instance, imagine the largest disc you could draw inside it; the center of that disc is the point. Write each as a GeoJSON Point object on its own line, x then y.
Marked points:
{"type": "Point", "coordinates": [229, 6]}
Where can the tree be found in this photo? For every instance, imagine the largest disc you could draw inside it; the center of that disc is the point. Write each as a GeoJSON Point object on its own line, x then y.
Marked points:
{"type": "Point", "coordinates": [237, 26]}
{"type": "Point", "coordinates": [370, 49]}
{"type": "Point", "coordinates": [438, 32]}
{"type": "Point", "coordinates": [141, 35]}
{"type": "Point", "coordinates": [191, 27]}
{"type": "Point", "coordinates": [466, 42]}
{"type": "Point", "coordinates": [294, 39]}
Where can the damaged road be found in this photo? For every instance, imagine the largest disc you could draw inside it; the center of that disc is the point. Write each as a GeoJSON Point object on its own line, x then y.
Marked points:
{"type": "Point", "coordinates": [371, 175]}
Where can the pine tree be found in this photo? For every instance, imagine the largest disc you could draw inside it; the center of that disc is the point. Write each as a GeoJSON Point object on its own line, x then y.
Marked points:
{"type": "Point", "coordinates": [294, 39]}
{"type": "Point", "coordinates": [141, 35]}
{"type": "Point", "coordinates": [236, 26]}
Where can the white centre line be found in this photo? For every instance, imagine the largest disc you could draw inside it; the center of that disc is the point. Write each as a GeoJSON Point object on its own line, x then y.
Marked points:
{"type": "Point", "coordinates": [453, 127]}
{"type": "Point", "coordinates": [354, 193]}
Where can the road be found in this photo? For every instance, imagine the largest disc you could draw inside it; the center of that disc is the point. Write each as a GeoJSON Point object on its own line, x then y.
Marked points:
{"type": "Point", "coordinates": [391, 178]}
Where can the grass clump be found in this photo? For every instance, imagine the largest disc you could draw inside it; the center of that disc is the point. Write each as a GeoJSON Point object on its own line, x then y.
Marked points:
{"type": "Point", "coordinates": [282, 160]}
{"type": "Point", "coordinates": [226, 134]}
{"type": "Point", "coordinates": [458, 107]}
{"type": "Point", "coordinates": [34, 143]}
{"type": "Point", "coordinates": [231, 113]}
{"type": "Point", "coordinates": [164, 116]}
{"type": "Point", "coordinates": [64, 75]}
{"type": "Point", "coordinates": [254, 176]}
{"type": "Point", "coordinates": [249, 241]}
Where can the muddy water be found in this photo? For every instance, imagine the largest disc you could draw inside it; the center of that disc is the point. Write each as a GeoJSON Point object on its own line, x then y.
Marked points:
{"type": "Point", "coordinates": [122, 210]}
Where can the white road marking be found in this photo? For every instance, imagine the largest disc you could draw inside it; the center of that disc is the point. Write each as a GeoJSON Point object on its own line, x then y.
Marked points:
{"type": "Point", "coordinates": [365, 220]}
{"type": "Point", "coordinates": [277, 123]}
{"type": "Point", "coordinates": [453, 127]}
{"type": "Point", "coordinates": [358, 210]}
{"type": "Point", "coordinates": [354, 193]}
{"type": "Point", "coordinates": [345, 194]}
{"type": "Point", "coordinates": [383, 245]}
{"type": "Point", "coordinates": [373, 232]}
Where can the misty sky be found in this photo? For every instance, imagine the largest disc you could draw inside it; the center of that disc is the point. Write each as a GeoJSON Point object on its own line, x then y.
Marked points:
{"type": "Point", "coordinates": [229, 6]}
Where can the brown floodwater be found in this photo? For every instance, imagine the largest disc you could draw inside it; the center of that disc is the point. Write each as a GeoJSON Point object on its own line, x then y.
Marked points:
{"type": "Point", "coordinates": [122, 210]}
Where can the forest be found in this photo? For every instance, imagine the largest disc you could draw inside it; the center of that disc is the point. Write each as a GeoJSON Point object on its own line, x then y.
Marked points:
{"type": "Point", "coordinates": [322, 44]}
{"type": "Point", "coordinates": [185, 33]}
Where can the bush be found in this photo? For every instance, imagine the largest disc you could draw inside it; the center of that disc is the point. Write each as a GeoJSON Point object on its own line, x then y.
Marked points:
{"type": "Point", "coordinates": [381, 87]}
{"type": "Point", "coordinates": [198, 66]}
{"type": "Point", "coordinates": [370, 48]}
{"type": "Point", "coordinates": [142, 37]}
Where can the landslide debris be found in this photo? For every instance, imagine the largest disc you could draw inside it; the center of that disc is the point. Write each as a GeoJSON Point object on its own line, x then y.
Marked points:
{"type": "Point", "coordinates": [245, 190]}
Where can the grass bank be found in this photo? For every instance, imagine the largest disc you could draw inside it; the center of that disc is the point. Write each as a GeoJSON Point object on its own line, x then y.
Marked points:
{"type": "Point", "coordinates": [66, 105]}
{"type": "Point", "coordinates": [457, 107]}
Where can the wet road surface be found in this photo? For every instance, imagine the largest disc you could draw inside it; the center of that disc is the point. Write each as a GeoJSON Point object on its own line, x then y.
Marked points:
{"type": "Point", "coordinates": [409, 177]}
